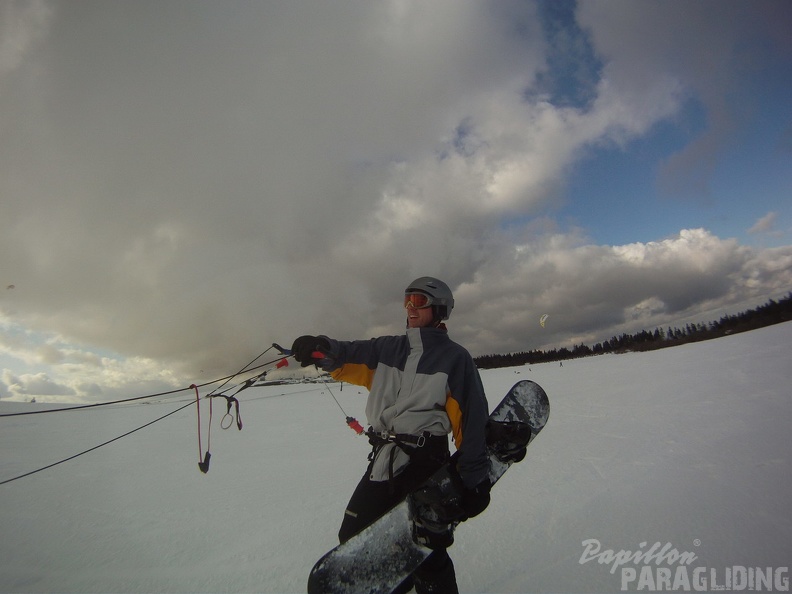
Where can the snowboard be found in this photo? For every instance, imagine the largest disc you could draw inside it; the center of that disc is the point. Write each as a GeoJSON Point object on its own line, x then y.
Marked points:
{"type": "Point", "coordinates": [382, 556]}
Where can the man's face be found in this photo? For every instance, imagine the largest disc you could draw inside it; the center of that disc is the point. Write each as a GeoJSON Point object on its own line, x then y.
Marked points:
{"type": "Point", "coordinates": [418, 317]}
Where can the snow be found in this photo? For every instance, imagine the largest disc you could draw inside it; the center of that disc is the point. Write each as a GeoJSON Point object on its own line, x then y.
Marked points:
{"type": "Point", "coordinates": [687, 447]}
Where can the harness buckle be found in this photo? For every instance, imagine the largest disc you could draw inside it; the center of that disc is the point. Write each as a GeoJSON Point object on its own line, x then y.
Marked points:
{"type": "Point", "coordinates": [421, 440]}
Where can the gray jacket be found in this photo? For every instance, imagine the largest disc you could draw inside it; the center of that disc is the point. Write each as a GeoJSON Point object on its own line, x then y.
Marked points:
{"type": "Point", "coordinates": [422, 381]}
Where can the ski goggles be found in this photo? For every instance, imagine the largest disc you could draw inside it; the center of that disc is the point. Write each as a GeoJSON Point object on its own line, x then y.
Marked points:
{"type": "Point", "coordinates": [417, 300]}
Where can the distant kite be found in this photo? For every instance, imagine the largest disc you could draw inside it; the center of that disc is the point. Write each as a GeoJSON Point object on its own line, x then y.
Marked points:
{"type": "Point", "coordinates": [543, 319]}
{"type": "Point", "coordinates": [9, 287]}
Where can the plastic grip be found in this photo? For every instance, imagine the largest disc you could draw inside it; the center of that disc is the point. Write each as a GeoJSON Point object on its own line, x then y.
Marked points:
{"type": "Point", "coordinates": [317, 355]}
{"type": "Point", "coordinates": [355, 425]}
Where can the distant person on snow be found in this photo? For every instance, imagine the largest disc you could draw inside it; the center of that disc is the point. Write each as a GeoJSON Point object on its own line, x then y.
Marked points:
{"type": "Point", "coordinates": [422, 386]}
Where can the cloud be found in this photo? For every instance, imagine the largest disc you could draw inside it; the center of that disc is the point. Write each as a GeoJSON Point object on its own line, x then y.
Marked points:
{"type": "Point", "coordinates": [23, 24]}
{"type": "Point", "coordinates": [195, 181]}
{"type": "Point", "coordinates": [65, 372]}
{"type": "Point", "coordinates": [766, 224]}
{"type": "Point", "coordinates": [26, 386]}
{"type": "Point", "coordinates": [593, 292]}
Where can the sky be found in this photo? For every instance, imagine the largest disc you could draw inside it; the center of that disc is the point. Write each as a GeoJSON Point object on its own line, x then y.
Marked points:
{"type": "Point", "coordinates": [184, 183]}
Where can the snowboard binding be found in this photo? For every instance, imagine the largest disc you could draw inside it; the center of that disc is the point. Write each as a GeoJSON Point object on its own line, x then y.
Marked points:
{"type": "Point", "coordinates": [508, 440]}
{"type": "Point", "coordinates": [435, 510]}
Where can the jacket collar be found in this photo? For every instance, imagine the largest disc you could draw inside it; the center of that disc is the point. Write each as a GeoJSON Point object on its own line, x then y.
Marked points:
{"type": "Point", "coordinates": [427, 337]}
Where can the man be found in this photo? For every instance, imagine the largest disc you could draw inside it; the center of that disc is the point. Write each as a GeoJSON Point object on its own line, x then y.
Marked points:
{"type": "Point", "coordinates": [422, 386]}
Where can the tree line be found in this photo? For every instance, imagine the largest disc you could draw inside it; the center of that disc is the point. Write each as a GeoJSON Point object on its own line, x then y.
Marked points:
{"type": "Point", "coordinates": [772, 312]}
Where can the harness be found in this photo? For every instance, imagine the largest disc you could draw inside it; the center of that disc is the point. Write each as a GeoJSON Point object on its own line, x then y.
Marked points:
{"type": "Point", "coordinates": [424, 449]}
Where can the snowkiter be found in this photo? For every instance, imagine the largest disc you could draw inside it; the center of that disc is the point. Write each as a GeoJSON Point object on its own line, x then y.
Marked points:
{"type": "Point", "coordinates": [422, 386]}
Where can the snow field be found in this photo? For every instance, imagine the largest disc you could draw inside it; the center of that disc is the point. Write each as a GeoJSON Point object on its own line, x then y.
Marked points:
{"type": "Point", "coordinates": [688, 446]}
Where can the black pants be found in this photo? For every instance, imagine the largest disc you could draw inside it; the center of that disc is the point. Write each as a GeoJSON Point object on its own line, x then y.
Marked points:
{"type": "Point", "coordinates": [371, 499]}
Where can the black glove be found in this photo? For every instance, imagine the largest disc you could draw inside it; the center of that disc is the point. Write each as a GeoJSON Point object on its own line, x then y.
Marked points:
{"type": "Point", "coordinates": [304, 347]}
{"type": "Point", "coordinates": [476, 500]}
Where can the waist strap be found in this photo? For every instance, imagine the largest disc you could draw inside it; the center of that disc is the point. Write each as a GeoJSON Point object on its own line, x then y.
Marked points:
{"type": "Point", "coordinates": [419, 441]}
{"type": "Point", "coordinates": [424, 448]}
